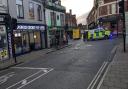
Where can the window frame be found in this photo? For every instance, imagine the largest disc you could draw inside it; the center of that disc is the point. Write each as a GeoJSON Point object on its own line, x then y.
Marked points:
{"type": "Point", "coordinates": [39, 13]}
{"type": "Point", "coordinates": [33, 10]}
{"type": "Point", "coordinates": [17, 7]}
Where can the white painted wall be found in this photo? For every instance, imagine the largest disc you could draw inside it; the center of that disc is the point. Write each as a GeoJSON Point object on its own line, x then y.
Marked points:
{"type": "Point", "coordinates": [126, 18]}
{"type": "Point", "coordinates": [3, 6]}
{"type": "Point", "coordinates": [13, 12]}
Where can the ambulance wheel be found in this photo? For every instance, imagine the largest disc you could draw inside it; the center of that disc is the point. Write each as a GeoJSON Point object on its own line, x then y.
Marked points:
{"type": "Point", "coordinates": [106, 37]}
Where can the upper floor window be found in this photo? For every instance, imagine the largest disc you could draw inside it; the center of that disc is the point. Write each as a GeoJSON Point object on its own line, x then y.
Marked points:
{"type": "Point", "coordinates": [53, 18]}
{"type": "Point", "coordinates": [58, 17]}
{"type": "Point", "coordinates": [31, 10]}
{"type": "Point", "coordinates": [19, 6]}
{"type": "Point", "coordinates": [39, 12]}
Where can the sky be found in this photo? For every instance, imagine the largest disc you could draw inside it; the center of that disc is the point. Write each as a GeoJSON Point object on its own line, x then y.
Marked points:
{"type": "Point", "coordinates": [79, 7]}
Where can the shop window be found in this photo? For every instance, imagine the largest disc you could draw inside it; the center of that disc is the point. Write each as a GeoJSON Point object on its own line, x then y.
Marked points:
{"type": "Point", "coordinates": [3, 43]}
{"type": "Point", "coordinates": [25, 41]}
{"type": "Point", "coordinates": [19, 6]}
{"type": "Point", "coordinates": [31, 10]}
{"type": "Point", "coordinates": [18, 42]}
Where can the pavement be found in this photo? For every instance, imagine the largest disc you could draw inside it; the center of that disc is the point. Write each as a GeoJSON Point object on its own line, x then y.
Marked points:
{"type": "Point", "coordinates": [73, 67]}
{"type": "Point", "coordinates": [28, 57]}
{"type": "Point", "coordinates": [116, 75]}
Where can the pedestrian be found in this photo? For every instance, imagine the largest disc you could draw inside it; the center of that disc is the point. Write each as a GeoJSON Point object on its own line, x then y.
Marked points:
{"type": "Point", "coordinates": [84, 36]}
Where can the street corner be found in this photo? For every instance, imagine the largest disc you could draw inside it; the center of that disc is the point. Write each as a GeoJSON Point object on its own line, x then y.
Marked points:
{"type": "Point", "coordinates": [19, 77]}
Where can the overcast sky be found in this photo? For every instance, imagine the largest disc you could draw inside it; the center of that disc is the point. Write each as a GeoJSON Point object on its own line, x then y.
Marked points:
{"type": "Point", "coordinates": [79, 7]}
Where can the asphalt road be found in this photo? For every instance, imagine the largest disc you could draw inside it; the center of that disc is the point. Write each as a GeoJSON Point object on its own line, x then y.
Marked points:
{"type": "Point", "coordinates": [70, 68]}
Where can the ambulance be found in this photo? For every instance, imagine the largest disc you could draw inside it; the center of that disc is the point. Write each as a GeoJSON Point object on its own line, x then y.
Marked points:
{"type": "Point", "coordinates": [96, 34]}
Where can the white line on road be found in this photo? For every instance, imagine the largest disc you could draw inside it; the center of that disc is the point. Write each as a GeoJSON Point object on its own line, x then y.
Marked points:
{"type": "Point", "coordinates": [4, 78]}
{"type": "Point", "coordinates": [30, 68]}
{"type": "Point", "coordinates": [8, 74]}
{"type": "Point", "coordinates": [23, 79]}
{"type": "Point", "coordinates": [99, 75]}
{"type": "Point", "coordinates": [100, 83]}
{"type": "Point", "coordinates": [24, 82]}
{"type": "Point", "coordinates": [90, 85]}
{"type": "Point", "coordinates": [35, 79]}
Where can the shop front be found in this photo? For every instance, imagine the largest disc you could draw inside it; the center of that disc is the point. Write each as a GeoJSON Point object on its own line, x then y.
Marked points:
{"type": "Point", "coordinates": [5, 39]}
{"type": "Point", "coordinates": [29, 37]}
{"type": "Point", "coordinates": [56, 36]}
{"type": "Point", "coordinates": [3, 43]}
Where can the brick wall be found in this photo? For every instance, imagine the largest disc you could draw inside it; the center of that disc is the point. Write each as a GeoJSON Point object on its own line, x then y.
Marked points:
{"type": "Point", "coordinates": [103, 10]}
{"type": "Point", "coordinates": [91, 17]}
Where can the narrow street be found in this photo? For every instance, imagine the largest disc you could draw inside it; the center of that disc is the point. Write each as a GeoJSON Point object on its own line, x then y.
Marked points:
{"type": "Point", "coordinates": [71, 68]}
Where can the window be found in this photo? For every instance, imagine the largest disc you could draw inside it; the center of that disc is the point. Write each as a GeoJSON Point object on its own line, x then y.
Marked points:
{"type": "Point", "coordinates": [53, 18]}
{"type": "Point", "coordinates": [19, 6]}
{"type": "Point", "coordinates": [39, 12]}
{"type": "Point", "coordinates": [62, 19]}
{"type": "Point", "coordinates": [58, 17]}
{"type": "Point", "coordinates": [113, 8]}
{"type": "Point", "coordinates": [31, 10]}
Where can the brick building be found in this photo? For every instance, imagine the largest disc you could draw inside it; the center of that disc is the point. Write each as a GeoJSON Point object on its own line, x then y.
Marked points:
{"type": "Point", "coordinates": [106, 14]}
{"type": "Point", "coordinates": [71, 22]}
{"type": "Point", "coordinates": [91, 18]}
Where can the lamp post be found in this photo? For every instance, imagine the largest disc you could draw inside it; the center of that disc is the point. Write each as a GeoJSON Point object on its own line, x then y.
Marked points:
{"type": "Point", "coordinates": [11, 23]}
{"type": "Point", "coordinates": [124, 28]}
{"type": "Point", "coordinates": [122, 11]}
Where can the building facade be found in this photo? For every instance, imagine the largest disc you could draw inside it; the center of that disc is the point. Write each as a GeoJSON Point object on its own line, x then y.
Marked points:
{"type": "Point", "coordinates": [105, 13]}
{"type": "Point", "coordinates": [108, 14]}
{"type": "Point", "coordinates": [5, 45]}
{"type": "Point", "coordinates": [30, 33]}
{"type": "Point", "coordinates": [55, 21]}
{"type": "Point", "coordinates": [71, 23]}
{"type": "Point", "coordinates": [91, 18]}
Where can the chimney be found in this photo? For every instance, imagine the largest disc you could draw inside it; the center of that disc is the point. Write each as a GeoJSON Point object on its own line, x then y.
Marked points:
{"type": "Point", "coordinates": [70, 11]}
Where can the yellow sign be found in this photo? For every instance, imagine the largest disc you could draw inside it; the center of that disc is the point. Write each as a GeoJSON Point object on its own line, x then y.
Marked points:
{"type": "Point", "coordinates": [4, 53]}
{"type": "Point", "coordinates": [76, 34]}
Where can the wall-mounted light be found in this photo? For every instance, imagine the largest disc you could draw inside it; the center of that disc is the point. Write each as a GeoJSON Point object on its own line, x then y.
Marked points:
{"type": "Point", "coordinates": [35, 36]}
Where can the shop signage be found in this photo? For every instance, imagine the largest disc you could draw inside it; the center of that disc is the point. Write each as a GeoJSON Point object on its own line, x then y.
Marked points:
{"type": "Point", "coordinates": [24, 27]}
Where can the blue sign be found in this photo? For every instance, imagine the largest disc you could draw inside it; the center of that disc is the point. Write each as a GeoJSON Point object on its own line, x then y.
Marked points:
{"type": "Point", "coordinates": [30, 27]}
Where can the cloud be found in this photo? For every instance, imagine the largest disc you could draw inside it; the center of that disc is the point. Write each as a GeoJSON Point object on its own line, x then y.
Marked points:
{"type": "Point", "coordinates": [82, 19]}
{"type": "Point", "coordinates": [79, 7]}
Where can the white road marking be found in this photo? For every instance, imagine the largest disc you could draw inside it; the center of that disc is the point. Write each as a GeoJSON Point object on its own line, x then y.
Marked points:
{"type": "Point", "coordinates": [91, 84]}
{"type": "Point", "coordinates": [27, 80]}
{"type": "Point", "coordinates": [89, 45]}
{"type": "Point", "coordinates": [23, 79]}
{"type": "Point", "coordinates": [4, 78]}
{"type": "Point", "coordinates": [24, 82]}
{"type": "Point", "coordinates": [34, 79]}
{"type": "Point", "coordinates": [100, 83]}
{"type": "Point", "coordinates": [29, 68]}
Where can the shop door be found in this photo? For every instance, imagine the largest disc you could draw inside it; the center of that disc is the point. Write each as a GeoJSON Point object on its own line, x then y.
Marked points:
{"type": "Point", "coordinates": [43, 40]}
{"type": "Point", "coordinates": [25, 42]}
{"type": "Point", "coordinates": [18, 42]}
{"type": "Point", "coordinates": [37, 39]}
{"type": "Point", "coordinates": [31, 37]}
